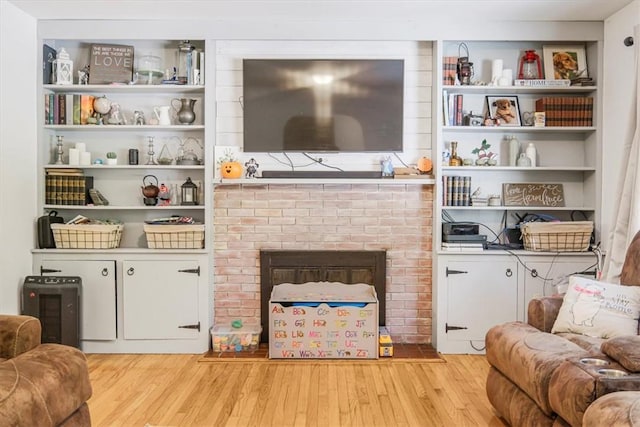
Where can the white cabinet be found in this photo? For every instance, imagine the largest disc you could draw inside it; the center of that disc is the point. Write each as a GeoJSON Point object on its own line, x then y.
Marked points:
{"type": "Point", "coordinates": [98, 294]}
{"type": "Point", "coordinates": [480, 294]}
{"type": "Point", "coordinates": [161, 299]}
{"type": "Point", "coordinates": [476, 292]}
{"type": "Point", "coordinates": [137, 302]}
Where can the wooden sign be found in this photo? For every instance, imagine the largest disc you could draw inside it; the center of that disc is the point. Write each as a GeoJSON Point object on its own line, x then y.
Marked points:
{"type": "Point", "coordinates": [527, 194]}
{"type": "Point", "coordinates": [110, 63]}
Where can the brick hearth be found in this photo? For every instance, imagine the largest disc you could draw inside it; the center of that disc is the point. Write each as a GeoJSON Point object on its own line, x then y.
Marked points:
{"type": "Point", "coordinates": [395, 218]}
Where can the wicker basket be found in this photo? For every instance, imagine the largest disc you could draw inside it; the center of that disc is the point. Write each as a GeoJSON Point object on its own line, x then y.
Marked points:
{"type": "Point", "coordinates": [87, 236]}
{"type": "Point", "coordinates": [572, 236]}
{"type": "Point", "coordinates": [183, 236]}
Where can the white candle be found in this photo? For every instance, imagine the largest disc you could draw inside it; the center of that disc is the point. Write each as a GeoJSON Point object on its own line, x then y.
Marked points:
{"type": "Point", "coordinates": [81, 147]}
{"type": "Point", "coordinates": [74, 156]}
{"type": "Point", "coordinates": [496, 69]}
{"type": "Point", "coordinates": [85, 158]}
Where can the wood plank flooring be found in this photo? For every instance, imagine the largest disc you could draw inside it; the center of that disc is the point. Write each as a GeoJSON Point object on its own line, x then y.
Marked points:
{"type": "Point", "coordinates": [182, 390]}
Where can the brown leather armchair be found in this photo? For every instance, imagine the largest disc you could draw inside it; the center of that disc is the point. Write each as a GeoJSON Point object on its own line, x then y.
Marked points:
{"type": "Point", "coordinates": [543, 379]}
{"type": "Point", "coordinates": [40, 384]}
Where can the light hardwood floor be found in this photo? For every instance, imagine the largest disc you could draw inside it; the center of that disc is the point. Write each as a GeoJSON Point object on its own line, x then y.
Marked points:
{"type": "Point", "coordinates": [182, 390]}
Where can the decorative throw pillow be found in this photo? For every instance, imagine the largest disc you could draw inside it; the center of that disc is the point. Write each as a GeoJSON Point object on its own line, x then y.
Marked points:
{"type": "Point", "coordinates": [598, 309]}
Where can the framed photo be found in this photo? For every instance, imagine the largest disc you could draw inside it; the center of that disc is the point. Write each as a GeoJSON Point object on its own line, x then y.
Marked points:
{"type": "Point", "coordinates": [564, 62]}
{"type": "Point", "coordinates": [504, 110]}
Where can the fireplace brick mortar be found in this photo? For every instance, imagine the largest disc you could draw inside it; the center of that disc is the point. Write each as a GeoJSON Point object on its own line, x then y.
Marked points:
{"type": "Point", "coordinates": [395, 218]}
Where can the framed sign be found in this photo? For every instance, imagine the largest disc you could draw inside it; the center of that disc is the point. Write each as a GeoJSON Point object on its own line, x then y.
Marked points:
{"type": "Point", "coordinates": [110, 63]}
{"type": "Point", "coordinates": [528, 194]}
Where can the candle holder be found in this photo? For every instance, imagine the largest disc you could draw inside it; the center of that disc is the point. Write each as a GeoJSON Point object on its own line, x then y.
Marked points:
{"type": "Point", "coordinates": [151, 153]}
{"type": "Point", "coordinates": [59, 151]}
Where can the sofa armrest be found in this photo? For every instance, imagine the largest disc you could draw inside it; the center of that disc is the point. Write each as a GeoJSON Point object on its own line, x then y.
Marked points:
{"type": "Point", "coordinates": [625, 350]}
{"type": "Point", "coordinates": [18, 334]}
{"type": "Point", "coordinates": [542, 312]}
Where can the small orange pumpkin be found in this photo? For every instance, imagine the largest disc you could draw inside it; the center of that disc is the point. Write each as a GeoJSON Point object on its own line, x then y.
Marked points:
{"type": "Point", "coordinates": [232, 170]}
{"type": "Point", "coordinates": [425, 165]}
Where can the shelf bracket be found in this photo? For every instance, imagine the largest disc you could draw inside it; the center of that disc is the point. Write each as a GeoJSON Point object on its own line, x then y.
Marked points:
{"type": "Point", "coordinates": [448, 328]}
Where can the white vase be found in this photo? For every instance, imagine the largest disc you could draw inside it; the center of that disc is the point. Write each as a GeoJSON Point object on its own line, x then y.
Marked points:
{"type": "Point", "coordinates": [514, 150]}
{"type": "Point", "coordinates": [531, 153]}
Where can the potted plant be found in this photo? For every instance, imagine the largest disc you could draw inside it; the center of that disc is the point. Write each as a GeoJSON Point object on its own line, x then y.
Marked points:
{"type": "Point", "coordinates": [230, 167]}
{"type": "Point", "coordinates": [112, 158]}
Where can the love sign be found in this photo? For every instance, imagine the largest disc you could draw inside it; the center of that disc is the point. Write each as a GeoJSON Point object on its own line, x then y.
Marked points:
{"type": "Point", "coordinates": [110, 63]}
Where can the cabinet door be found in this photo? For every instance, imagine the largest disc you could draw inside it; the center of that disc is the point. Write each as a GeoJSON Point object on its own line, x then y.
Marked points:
{"type": "Point", "coordinates": [160, 299]}
{"type": "Point", "coordinates": [98, 298]}
{"type": "Point", "coordinates": [551, 276]}
{"type": "Point", "coordinates": [480, 294]}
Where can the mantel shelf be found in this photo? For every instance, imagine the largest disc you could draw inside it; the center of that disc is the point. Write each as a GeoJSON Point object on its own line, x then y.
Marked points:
{"type": "Point", "coordinates": [289, 181]}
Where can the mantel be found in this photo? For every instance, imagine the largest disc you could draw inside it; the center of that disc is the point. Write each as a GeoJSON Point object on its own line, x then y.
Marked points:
{"type": "Point", "coordinates": [289, 181]}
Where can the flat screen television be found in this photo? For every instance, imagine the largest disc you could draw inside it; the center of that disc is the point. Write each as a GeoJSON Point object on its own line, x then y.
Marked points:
{"type": "Point", "coordinates": [336, 105]}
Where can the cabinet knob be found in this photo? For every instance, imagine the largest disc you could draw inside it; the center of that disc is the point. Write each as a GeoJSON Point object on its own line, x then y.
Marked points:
{"type": "Point", "coordinates": [508, 273]}
{"type": "Point", "coordinates": [534, 272]}
{"type": "Point", "coordinates": [130, 271]}
{"type": "Point", "coordinates": [105, 272]}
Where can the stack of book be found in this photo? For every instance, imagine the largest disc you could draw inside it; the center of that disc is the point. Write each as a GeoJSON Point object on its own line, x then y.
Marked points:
{"type": "Point", "coordinates": [566, 111]}
{"type": "Point", "coordinates": [67, 187]}
{"type": "Point", "coordinates": [452, 109]}
{"type": "Point", "coordinates": [456, 190]}
{"type": "Point", "coordinates": [449, 68]}
{"type": "Point", "coordinates": [67, 109]}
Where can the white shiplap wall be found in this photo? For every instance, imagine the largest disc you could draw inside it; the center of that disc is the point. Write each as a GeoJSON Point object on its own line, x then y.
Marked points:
{"type": "Point", "coordinates": [418, 60]}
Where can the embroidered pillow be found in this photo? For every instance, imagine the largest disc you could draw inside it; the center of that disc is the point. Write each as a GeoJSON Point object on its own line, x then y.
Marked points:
{"type": "Point", "coordinates": [598, 309]}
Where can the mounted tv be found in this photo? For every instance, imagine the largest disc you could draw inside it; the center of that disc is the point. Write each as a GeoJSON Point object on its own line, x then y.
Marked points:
{"type": "Point", "coordinates": [336, 105]}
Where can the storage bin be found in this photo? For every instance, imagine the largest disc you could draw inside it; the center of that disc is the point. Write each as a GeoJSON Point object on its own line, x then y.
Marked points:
{"type": "Point", "coordinates": [571, 236]}
{"type": "Point", "coordinates": [181, 236]}
{"type": "Point", "coordinates": [228, 338]}
{"type": "Point", "coordinates": [87, 236]}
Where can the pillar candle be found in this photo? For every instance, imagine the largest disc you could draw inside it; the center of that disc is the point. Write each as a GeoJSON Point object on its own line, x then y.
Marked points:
{"type": "Point", "coordinates": [74, 156]}
{"type": "Point", "coordinates": [85, 158]}
{"type": "Point", "coordinates": [81, 147]}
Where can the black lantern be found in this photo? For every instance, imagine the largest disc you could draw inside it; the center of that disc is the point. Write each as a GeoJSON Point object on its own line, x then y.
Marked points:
{"type": "Point", "coordinates": [189, 193]}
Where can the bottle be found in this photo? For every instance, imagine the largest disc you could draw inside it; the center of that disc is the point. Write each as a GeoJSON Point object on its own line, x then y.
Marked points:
{"type": "Point", "coordinates": [523, 160]}
{"type": "Point", "coordinates": [455, 160]}
{"type": "Point", "coordinates": [531, 153]}
{"type": "Point", "coordinates": [514, 150]}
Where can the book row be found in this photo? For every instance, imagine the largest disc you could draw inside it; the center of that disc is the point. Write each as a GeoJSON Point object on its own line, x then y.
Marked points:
{"type": "Point", "coordinates": [67, 109]}
{"type": "Point", "coordinates": [456, 190]}
{"type": "Point", "coordinates": [67, 189]}
{"type": "Point", "coordinates": [566, 111]}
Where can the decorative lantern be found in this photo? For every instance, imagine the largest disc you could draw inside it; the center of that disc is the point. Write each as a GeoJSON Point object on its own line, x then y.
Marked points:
{"type": "Point", "coordinates": [189, 193]}
{"type": "Point", "coordinates": [530, 66]}
{"type": "Point", "coordinates": [185, 62]}
{"type": "Point", "coordinates": [465, 71]}
{"type": "Point", "coordinates": [63, 68]}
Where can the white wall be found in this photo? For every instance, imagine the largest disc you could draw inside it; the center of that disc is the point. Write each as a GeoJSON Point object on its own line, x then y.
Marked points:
{"type": "Point", "coordinates": [18, 133]}
{"type": "Point", "coordinates": [618, 113]}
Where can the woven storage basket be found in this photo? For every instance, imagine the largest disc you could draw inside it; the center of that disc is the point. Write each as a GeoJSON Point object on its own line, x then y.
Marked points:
{"type": "Point", "coordinates": [571, 236]}
{"type": "Point", "coordinates": [182, 236]}
{"type": "Point", "coordinates": [87, 236]}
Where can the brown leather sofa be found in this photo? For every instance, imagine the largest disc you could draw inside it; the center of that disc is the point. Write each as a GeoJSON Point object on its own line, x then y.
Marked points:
{"type": "Point", "coordinates": [542, 379]}
{"type": "Point", "coordinates": [40, 384]}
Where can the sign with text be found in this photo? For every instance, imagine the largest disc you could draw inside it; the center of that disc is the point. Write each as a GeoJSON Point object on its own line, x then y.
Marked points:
{"type": "Point", "coordinates": [528, 194]}
{"type": "Point", "coordinates": [111, 63]}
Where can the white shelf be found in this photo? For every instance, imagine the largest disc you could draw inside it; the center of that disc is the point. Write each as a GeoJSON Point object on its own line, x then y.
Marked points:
{"type": "Point", "coordinates": [490, 169]}
{"type": "Point", "coordinates": [120, 251]}
{"type": "Point", "coordinates": [122, 88]}
{"type": "Point", "coordinates": [123, 208]}
{"type": "Point", "coordinates": [373, 181]}
{"type": "Point", "coordinates": [518, 208]}
{"type": "Point", "coordinates": [520, 129]}
{"type": "Point", "coordinates": [160, 167]}
{"type": "Point", "coordinates": [125, 128]}
{"type": "Point", "coordinates": [518, 89]}
{"type": "Point", "coordinates": [519, 252]}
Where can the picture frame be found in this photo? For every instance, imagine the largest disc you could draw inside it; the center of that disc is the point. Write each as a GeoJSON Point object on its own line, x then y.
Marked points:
{"type": "Point", "coordinates": [504, 110]}
{"type": "Point", "coordinates": [564, 62]}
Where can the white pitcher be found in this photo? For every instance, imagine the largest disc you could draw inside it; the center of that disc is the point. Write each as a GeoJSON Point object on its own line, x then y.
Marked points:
{"type": "Point", "coordinates": [163, 115]}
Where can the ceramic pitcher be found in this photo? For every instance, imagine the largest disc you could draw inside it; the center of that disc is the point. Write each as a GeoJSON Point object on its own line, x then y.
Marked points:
{"type": "Point", "coordinates": [163, 115]}
{"type": "Point", "coordinates": [184, 110]}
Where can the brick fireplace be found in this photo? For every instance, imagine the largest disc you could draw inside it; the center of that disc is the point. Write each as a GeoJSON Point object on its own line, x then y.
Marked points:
{"type": "Point", "coordinates": [392, 217]}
